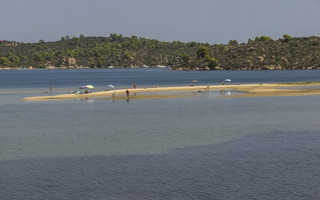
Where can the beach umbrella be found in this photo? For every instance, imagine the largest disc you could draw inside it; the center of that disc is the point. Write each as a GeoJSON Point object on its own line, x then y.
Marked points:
{"type": "Point", "coordinates": [86, 87]}
{"type": "Point", "coordinates": [111, 86]}
{"type": "Point", "coordinates": [226, 81]}
{"type": "Point", "coordinates": [194, 81]}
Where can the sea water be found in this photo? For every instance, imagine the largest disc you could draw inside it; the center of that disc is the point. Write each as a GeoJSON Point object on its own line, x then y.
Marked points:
{"type": "Point", "coordinates": [197, 147]}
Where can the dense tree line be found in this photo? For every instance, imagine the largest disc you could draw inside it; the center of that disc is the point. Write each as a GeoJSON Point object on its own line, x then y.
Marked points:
{"type": "Point", "coordinates": [119, 51]}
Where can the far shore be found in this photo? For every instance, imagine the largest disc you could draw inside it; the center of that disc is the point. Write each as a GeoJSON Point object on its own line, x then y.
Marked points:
{"type": "Point", "coordinates": [250, 90]}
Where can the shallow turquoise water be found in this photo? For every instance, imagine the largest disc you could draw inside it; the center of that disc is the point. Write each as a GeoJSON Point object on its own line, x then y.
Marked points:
{"type": "Point", "coordinates": [82, 128]}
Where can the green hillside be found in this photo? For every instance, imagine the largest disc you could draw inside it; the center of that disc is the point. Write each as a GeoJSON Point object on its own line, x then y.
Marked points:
{"type": "Point", "coordinates": [117, 51]}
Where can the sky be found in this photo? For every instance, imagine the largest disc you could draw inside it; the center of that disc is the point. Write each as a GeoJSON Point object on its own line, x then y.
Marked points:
{"type": "Point", "coordinates": [207, 21]}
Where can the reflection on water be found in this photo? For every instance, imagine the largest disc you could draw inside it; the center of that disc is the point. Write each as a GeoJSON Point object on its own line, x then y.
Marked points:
{"type": "Point", "coordinates": [225, 92]}
{"type": "Point", "coordinates": [87, 99]}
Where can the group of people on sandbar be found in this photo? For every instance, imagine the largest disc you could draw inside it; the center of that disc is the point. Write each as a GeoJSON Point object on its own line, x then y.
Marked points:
{"type": "Point", "coordinates": [128, 92]}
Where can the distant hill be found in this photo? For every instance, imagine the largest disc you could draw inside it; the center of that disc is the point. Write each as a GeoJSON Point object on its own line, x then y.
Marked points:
{"type": "Point", "coordinates": [117, 51]}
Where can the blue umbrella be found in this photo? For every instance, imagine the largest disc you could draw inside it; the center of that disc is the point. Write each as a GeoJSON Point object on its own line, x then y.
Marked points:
{"type": "Point", "coordinates": [227, 80]}
{"type": "Point", "coordinates": [111, 86]}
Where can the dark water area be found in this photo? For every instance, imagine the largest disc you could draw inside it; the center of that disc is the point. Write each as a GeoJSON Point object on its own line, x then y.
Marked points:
{"type": "Point", "coordinates": [144, 77]}
{"type": "Point", "coordinates": [282, 165]}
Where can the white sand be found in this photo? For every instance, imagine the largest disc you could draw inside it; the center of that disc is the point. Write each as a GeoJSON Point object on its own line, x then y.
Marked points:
{"type": "Point", "coordinates": [252, 90]}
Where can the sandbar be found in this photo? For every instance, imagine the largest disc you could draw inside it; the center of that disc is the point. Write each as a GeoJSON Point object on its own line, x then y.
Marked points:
{"type": "Point", "coordinates": [250, 90]}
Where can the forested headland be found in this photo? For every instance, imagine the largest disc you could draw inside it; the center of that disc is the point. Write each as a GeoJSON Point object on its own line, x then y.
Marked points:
{"type": "Point", "coordinates": [117, 51]}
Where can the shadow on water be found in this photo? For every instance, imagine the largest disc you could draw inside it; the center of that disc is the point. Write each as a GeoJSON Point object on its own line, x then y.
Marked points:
{"type": "Point", "coordinates": [268, 166]}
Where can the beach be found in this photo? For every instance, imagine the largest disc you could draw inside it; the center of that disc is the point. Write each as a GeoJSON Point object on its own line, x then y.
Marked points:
{"type": "Point", "coordinates": [250, 90]}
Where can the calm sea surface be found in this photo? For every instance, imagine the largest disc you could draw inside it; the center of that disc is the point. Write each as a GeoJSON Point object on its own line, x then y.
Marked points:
{"type": "Point", "coordinates": [197, 147]}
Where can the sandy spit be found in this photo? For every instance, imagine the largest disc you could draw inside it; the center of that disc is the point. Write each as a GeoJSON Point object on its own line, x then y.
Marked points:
{"type": "Point", "coordinates": [252, 90]}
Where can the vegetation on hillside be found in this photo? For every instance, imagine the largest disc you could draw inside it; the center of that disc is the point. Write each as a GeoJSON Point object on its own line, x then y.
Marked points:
{"type": "Point", "coordinates": [118, 51]}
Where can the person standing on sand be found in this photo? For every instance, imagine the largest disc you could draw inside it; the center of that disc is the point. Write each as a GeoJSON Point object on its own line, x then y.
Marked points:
{"type": "Point", "coordinates": [127, 93]}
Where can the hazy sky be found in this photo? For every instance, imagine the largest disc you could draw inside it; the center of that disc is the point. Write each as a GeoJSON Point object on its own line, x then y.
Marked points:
{"type": "Point", "coordinates": [212, 21]}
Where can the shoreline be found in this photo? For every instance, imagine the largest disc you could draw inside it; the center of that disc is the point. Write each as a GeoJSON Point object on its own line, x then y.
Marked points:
{"type": "Point", "coordinates": [251, 90]}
